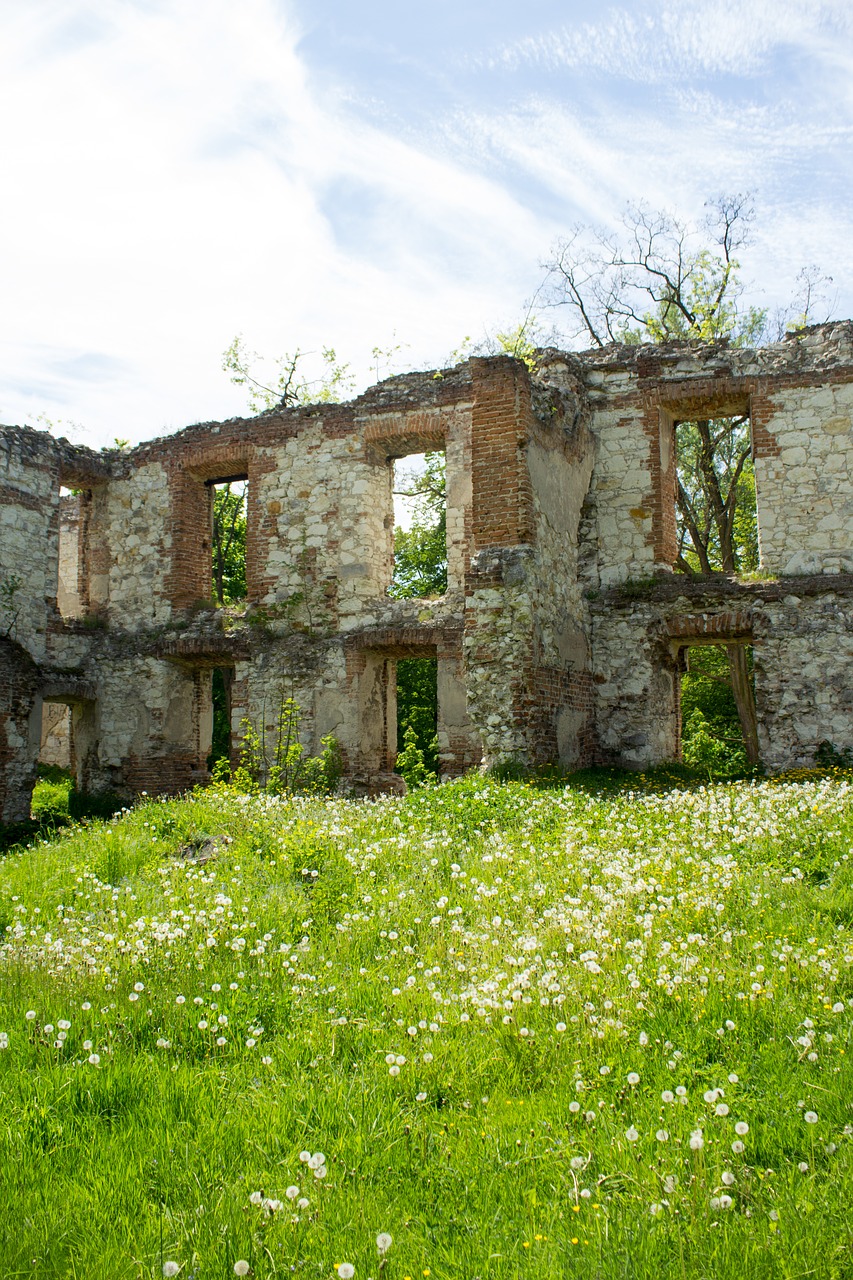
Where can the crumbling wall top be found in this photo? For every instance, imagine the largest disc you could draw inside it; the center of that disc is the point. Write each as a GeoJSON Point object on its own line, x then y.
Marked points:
{"type": "Point", "coordinates": [813, 350]}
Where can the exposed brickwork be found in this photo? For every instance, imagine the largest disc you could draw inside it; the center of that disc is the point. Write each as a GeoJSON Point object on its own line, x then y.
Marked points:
{"type": "Point", "coordinates": [502, 509]}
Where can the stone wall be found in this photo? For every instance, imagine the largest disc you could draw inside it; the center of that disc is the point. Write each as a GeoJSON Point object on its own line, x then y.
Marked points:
{"type": "Point", "coordinates": [562, 631]}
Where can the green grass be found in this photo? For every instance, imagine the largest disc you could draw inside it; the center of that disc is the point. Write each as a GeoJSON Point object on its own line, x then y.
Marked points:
{"type": "Point", "coordinates": [449, 996]}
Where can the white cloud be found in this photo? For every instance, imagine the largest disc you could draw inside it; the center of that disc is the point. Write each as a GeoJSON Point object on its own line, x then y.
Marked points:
{"type": "Point", "coordinates": [175, 173]}
{"type": "Point", "coordinates": [175, 182]}
{"type": "Point", "coordinates": [684, 38]}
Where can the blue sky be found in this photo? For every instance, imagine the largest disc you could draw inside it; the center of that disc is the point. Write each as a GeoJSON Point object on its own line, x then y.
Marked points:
{"type": "Point", "coordinates": [358, 175]}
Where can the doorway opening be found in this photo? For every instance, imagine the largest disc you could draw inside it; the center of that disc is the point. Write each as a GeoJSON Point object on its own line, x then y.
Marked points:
{"type": "Point", "coordinates": [222, 679]}
{"type": "Point", "coordinates": [417, 709]}
{"type": "Point", "coordinates": [719, 730]}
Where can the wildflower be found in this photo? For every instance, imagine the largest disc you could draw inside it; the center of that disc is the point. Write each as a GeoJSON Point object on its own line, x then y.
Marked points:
{"type": "Point", "coordinates": [420, 1097]}
{"type": "Point", "coordinates": [256, 1197]}
{"type": "Point", "coordinates": [604, 1071]}
{"type": "Point", "coordinates": [291, 1192]}
{"type": "Point", "coordinates": [680, 1091]}
{"type": "Point", "coordinates": [662, 1135]}
{"type": "Point", "coordinates": [667, 1096]}
{"type": "Point", "coordinates": [345, 1270]}
{"type": "Point", "coordinates": [631, 1134]}
{"type": "Point", "coordinates": [721, 1109]}
{"type": "Point", "coordinates": [94, 1059]}
{"type": "Point", "coordinates": [202, 1026]}
{"type": "Point", "coordinates": [320, 1171]}
{"type": "Point", "coordinates": [170, 1268]}
{"type": "Point", "coordinates": [728, 1178]}
{"type": "Point", "coordinates": [394, 1070]}
{"type": "Point", "coordinates": [655, 1209]}
{"type": "Point", "coordinates": [710, 1095]}
{"type": "Point", "coordinates": [30, 1014]}
{"type": "Point", "coordinates": [384, 1242]}
{"type": "Point", "coordinates": [561, 1026]}
{"type": "Point", "coordinates": [302, 1203]}
{"type": "Point", "coordinates": [741, 1128]}
{"type": "Point", "coordinates": [726, 1202]}
{"type": "Point", "coordinates": [697, 1141]}
{"type": "Point", "coordinates": [633, 1078]}
{"type": "Point", "coordinates": [251, 1042]}
{"type": "Point", "coordinates": [241, 1267]}
{"type": "Point", "coordinates": [738, 1147]}
{"type": "Point", "coordinates": [138, 986]}
{"type": "Point", "coordinates": [803, 1167]}
{"type": "Point", "coordinates": [304, 1156]}
{"type": "Point", "coordinates": [810, 1117]}
{"type": "Point", "coordinates": [221, 1041]}
{"type": "Point", "coordinates": [574, 1107]}
{"type": "Point", "coordinates": [267, 1061]}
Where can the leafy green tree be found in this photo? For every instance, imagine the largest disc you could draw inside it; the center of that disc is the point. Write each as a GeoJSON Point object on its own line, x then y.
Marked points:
{"type": "Point", "coordinates": [286, 384]}
{"type": "Point", "coordinates": [229, 542]}
{"type": "Point", "coordinates": [420, 552]}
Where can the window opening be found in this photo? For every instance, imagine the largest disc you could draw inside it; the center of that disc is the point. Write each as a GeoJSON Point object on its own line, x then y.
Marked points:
{"type": "Point", "coordinates": [417, 709]}
{"type": "Point", "coordinates": [420, 526]}
{"type": "Point", "coordinates": [716, 523]}
{"type": "Point", "coordinates": [718, 719]}
{"type": "Point", "coordinates": [228, 541]}
{"type": "Point", "coordinates": [72, 576]}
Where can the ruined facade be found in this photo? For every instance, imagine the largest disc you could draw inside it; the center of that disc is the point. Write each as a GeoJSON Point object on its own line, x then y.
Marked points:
{"type": "Point", "coordinates": [562, 633]}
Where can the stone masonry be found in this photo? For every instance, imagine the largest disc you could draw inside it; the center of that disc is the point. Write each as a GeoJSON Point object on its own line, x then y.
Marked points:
{"type": "Point", "coordinates": [563, 630]}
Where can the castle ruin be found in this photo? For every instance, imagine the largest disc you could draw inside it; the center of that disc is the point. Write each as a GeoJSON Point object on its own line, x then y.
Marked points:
{"type": "Point", "coordinates": [562, 633]}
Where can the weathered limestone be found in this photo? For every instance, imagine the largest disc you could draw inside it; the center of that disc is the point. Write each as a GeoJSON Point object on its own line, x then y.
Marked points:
{"type": "Point", "coordinates": [563, 630]}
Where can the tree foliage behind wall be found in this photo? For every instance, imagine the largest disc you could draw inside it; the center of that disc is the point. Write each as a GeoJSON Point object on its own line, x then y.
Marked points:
{"type": "Point", "coordinates": [229, 542]}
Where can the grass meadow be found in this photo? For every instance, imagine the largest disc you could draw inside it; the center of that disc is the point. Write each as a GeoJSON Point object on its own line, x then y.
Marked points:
{"type": "Point", "coordinates": [484, 1031]}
